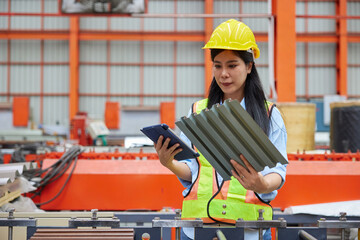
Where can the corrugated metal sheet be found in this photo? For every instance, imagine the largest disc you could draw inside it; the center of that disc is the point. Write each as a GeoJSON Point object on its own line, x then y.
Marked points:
{"type": "Point", "coordinates": [159, 24]}
{"type": "Point", "coordinates": [25, 51]}
{"type": "Point", "coordinates": [93, 23]}
{"type": "Point", "coordinates": [322, 53]}
{"type": "Point", "coordinates": [56, 110]}
{"type": "Point", "coordinates": [125, 51]}
{"type": "Point", "coordinates": [94, 106]}
{"type": "Point", "coordinates": [125, 24]}
{"type": "Point", "coordinates": [189, 52]}
{"type": "Point", "coordinates": [93, 51]}
{"type": "Point", "coordinates": [226, 131]}
{"type": "Point", "coordinates": [190, 80]}
{"type": "Point", "coordinates": [56, 79]}
{"type": "Point", "coordinates": [300, 22]}
{"type": "Point", "coordinates": [322, 81]}
{"type": "Point", "coordinates": [158, 52]}
{"type": "Point", "coordinates": [353, 9]}
{"type": "Point", "coordinates": [158, 80]}
{"type": "Point", "coordinates": [25, 79]}
{"type": "Point", "coordinates": [256, 7]}
{"type": "Point", "coordinates": [56, 51]}
{"type": "Point", "coordinates": [189, 7]}
{"type": "Point", "coordinates": [125, 79]}
{"type": "Point", "coordinates": [92, 79]}
{"type": "Point", "coordinates": [3, 78]}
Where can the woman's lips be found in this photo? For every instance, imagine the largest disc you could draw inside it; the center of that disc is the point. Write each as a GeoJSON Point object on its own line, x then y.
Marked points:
{"type": "Point", "coordinates": [226, 84]}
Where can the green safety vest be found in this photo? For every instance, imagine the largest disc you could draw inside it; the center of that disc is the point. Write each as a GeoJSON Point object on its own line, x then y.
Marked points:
{"type": "Point", "coordinates": [232, 202]}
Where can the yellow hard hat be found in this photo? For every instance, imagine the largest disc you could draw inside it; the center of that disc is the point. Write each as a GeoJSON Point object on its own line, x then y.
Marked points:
{"type": "Point", "coordinates": [233, 35]}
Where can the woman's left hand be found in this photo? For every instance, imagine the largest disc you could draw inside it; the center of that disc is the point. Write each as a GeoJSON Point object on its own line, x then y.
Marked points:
{"type": "Point", "coordinates": [249, 178]}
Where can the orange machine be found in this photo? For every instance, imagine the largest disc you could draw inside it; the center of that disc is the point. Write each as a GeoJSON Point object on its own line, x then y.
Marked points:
{"type": "Point", "coordinates": [146, 184]}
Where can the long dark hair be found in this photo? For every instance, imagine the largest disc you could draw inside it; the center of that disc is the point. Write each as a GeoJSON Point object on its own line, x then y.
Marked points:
{"type": "Point", "coordinates": [253, 92]}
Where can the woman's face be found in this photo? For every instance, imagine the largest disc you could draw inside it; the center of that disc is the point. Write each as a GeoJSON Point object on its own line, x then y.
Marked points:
{"type": "Point", "coordinates": [230, 72]}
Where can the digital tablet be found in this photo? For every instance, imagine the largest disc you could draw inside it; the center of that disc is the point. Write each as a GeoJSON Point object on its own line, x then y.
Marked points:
{"type": "Point", "coordinates": [154, 132]}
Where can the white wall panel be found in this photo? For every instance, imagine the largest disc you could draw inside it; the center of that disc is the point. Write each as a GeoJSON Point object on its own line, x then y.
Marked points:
{"type": "Point", "coordinates": [25, 51]}
{"type": "Point", "coordinates": [25, 79]}
{"type": "Point", "coordinates": [300, 22]}
{"type": "Point", "coordinates": [3, 50]}
{"type": "Point", "coordinates": [183, 105]}
{"type": "Point", "coordinates": [25, 22]}
{"type": "Point", "coordinates": [93, 23]}
{"type": "Point", "coordinates": [125, 79]}
{"type": "Point", "coordinates": [51, 6]}
{"type": "Point", "coordinates": [56, 110]}
{"type": "Point", "coordinates": [256, 7]}
{"type": "Point", "coordinates": [126, 101]}
{"type": "Point", "coordinates": [3, 78]}
{"type": "Point", "coordinates": [34, 109]}
{"type": "Point", "coordinates": [321, 8]}
{"type": "Point", "coordinates": [300, 53]}
{"type": "Point", "coordinates": [159, 24]}
{"type": "Point", "coordinates": [264, 54]}
{"type": "Point", "coordinates": [26, 6]}
{"type": "Point", "coordinates": [264, 77]}
{"type": "Point", "coordinates": [125, 51]}
{"type": "Point", "coordinates": [155, 101]}
{"type": "Point", "coordinates": [322, 81]}
{"type": "Point", "coordinates": [190, 7]}
{"type": "Point", "coordinates": [3, 22]}
{"type": "Point", "coordinates": [125, 24]}
{"type": "Point", "coordinates": [190, 80]}
{"type": "Point", "coordinates": [94, 106]}
{"type": "Point", "coordinates": [92, 79]}
{"type": "Point", "coordinates": [56, 51]}
{"type": "Point", "coordinates": [189, 52]}
{"type": "Point", "coordinates": [93, 51]}
{"type": "Point", "coordinates": [158, 80]}
{"type": "Point", "coordinates": [353, 9]}
{"type": "Point", "coordinates": [322, 53]}
{"type": "Point", "coordinates": [56, 23]}
{"type": "Point", "coordinates": [56, 79]}
{"type": "Point", "coordinates": [354, 53]}
{"type": "Point", "coordinates": [353, 87]}
{"type": "Point", "coordinates": [3, 6]}
{"type": "Point", "coordinates": [300, 81]}
{"type": "Point", "coordinates": [158, 52]}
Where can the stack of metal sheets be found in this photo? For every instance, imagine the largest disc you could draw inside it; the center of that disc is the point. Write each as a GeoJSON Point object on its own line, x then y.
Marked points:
{"type": "Point", "coordinates": [226, 131]}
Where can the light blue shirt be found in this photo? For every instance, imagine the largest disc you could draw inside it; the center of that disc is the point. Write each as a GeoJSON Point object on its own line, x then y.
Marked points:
{"type": "Point", "coordinates": [277, 136]}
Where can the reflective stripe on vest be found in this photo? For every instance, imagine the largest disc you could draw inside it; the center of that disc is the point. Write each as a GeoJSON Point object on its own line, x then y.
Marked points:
{"type": "Point", "coordinates": [233, 201]}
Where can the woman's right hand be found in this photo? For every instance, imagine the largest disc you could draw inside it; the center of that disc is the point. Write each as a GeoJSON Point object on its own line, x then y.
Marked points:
{"type": "Point", "coordinates": [166, 154]}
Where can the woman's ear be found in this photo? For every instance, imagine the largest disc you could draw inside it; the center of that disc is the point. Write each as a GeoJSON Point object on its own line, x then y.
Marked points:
{"type": "Point", "coordinates": [249, 67]}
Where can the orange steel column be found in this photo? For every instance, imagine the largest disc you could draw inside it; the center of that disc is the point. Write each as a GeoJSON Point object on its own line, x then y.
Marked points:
{"type": "Point", "coordinates": [74, 67]}
{"type": "Point", "coordinates": [208, 28]}
{"type": "Point", "coordinates": [285, 50]}
{"type": "Point", "coordinates": [342, 49]}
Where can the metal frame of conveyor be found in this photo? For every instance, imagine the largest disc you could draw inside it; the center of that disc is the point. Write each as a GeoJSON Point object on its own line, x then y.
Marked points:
{"type": "Point", "coordinates": [226, 131]}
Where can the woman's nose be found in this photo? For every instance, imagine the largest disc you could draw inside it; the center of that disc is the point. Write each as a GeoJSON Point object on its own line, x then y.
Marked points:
{"type": "Point", "coordinates": [224, 73]}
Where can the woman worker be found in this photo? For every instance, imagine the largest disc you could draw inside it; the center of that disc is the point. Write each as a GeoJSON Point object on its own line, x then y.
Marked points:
{"type": "Point", "coordinates": [233, 49]}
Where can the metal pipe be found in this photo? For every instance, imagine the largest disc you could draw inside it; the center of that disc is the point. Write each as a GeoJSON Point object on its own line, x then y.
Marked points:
{"type": "Point", "coordinates": [306, 236]}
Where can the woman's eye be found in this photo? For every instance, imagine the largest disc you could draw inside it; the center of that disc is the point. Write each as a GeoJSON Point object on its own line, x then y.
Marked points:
{"type": "Point", "coordinates": [217, 66]}
{"type": "Point", "coordinates": [232, 66]}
